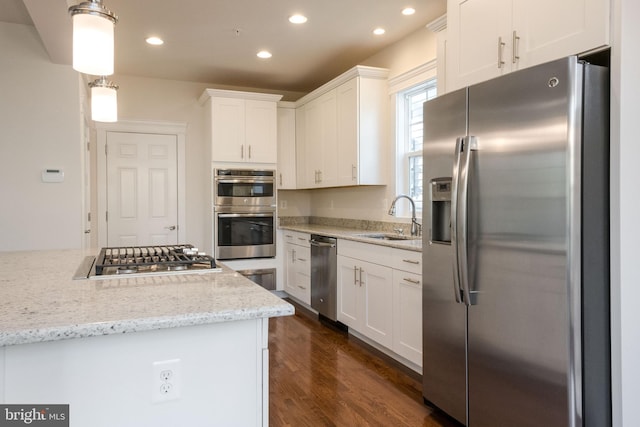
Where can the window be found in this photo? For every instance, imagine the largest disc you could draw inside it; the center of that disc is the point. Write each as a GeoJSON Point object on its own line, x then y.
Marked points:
{"type": "Point", "coordinates": [409, 141]}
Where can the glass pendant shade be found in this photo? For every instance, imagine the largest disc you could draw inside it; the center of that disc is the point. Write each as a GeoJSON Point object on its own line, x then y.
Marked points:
{"type": "Point", "coordinates": [104, 101]}
{"type": "Point", "coordinates": [93, 32]}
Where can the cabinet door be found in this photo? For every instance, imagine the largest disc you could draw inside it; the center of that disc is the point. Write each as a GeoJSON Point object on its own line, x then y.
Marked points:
{"type": "Point", "coordinates": [549, 29]}
{"type": "Point", "coordinates": [298, 272]}
{"type": "Point", "coordinates": [286, 148]}
{"type": "Point", "coordinates": [347, 133]}
{"type": "Point", "coordinates": [260, 131]}
{"type": "Point", "coordinates": [289, 268]}
{"type": "Point", "coordinates": [302, 169]}
{"type": "Point", "coordinates": [320, 143]}
{"type": "Point", "coordinates": [329, 169]}
{"type": "Point", "coordinates": [227, 129]}
{"type": "Point", "coordinates": [312, 144]}
{"type": "Point", "coordinates": [377, 295]}
{"type": "Point", "coordinates": [474, 30]}
{"type": "Point", "coordinates": [348, 291]}
{"type": "Point", "coordinates": [407, 315]}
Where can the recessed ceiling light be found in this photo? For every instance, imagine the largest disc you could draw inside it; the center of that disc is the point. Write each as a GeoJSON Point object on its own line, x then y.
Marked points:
{"type": "Point", "coordinates": [156, 41]}
{"type": "Point", "coordinates": [408, 11]}
{"type": "Point", "coordinates": [264, 54]}
{"type": "Point", "coordinates": [297, 19]}
{"type": "Point", "coordinates": [378, 31]}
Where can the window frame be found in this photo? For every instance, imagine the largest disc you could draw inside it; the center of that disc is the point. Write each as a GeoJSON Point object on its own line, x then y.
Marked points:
{"type": "Point", "coordinates": [403, 151]}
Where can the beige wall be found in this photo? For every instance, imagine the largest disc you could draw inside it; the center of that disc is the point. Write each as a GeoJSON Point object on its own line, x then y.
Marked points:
{"type": "Point", "coordinates": [625, 212]}
{"type": "Point", "coordinates": [41, 128]}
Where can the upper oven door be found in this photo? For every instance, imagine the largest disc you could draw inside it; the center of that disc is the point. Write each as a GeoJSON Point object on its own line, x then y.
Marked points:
{"type": "Point", "coordinates": [242, 188]}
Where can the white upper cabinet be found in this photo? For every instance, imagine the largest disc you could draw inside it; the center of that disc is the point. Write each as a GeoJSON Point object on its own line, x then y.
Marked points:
{"type": "Point", "coordinates": [242, 126]}
{"type": "Point", "coordinates": [320, 143]}
{"type": "Point", "coordinates": [286, 146]}
{"type": "Point", "coordinates": [488, 38]}
{"type": "Point", "coordinates": [341, 137]}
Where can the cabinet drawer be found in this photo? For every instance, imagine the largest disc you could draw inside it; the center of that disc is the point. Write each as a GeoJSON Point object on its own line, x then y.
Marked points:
{"type": "Point", "coordinates": [410, 261]}
{"type": "Point", "coordinates": [365, 251]}
{"type": "Point", "coordinates": [302, 258]}
{"type": "Point", "coordinates": [297, 238]}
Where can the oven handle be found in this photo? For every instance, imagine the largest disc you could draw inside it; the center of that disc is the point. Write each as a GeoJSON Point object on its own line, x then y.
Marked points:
{"type": "Point", "coordinates": [244, 215]}
{"type": "Point", "coordinates": [241, 180]}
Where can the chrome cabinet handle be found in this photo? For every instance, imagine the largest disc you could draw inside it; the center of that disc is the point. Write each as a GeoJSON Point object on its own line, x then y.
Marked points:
{"type": "Point", "coordinates": [242, 151]}
{"type": "Point", "coordinates": [280, 180]}
{"type": "Point", "coordinates": [500, 49]}
{"type": "Point", "coordinates": [353, 172]}
{"type": "Point", "coordinates": [361, 282]}
{"type": "Point", "coordinates": [302, 259]}
{"type": "Point", "coordinates": [249, 151]}
{"type": "Point", "coordinates": [355, 275]}
{"type": "Point", "coordinates": [415, 282]}
{"type": "Point", "coordinates": [293, 255]}
{"type": "Point", "coordinates": [410, 261]}
{"type": "Point", "coordinates": [515, 57]}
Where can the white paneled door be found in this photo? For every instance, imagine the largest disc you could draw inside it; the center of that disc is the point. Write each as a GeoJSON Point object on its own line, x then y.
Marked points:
{"type": "Point", "coordinates": [142, 189]}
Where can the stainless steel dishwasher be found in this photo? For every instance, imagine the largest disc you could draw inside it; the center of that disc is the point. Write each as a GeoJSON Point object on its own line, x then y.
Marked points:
{"type": "Point", "coordinates": [324, 276]}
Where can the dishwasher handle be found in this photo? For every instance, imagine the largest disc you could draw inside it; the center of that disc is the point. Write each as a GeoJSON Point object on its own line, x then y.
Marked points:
{"type": "Point", "coordinates": [322, 244]}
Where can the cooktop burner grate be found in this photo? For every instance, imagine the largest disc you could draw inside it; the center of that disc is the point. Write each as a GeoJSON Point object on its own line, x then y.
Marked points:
{"type": "Point", "coordinates": [135, 258]}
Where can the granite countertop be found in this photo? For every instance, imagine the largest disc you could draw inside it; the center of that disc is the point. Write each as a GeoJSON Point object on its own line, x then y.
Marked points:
{"type": "Point", "coordinates": [356, 235]}
{"type": "Point", "coordinates": [39, 300]}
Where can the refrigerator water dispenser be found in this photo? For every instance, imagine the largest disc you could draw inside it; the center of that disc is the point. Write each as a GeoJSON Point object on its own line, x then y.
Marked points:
{"type": "Point", "coordinates": [441, 210]}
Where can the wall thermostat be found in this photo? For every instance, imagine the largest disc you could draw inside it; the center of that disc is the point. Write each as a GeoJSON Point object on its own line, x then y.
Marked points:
{"type": "Point", "coordinates": [52, 175]}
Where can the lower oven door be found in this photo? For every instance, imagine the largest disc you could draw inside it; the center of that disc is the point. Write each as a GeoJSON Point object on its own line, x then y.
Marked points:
{"type": "Point", "coordinates": [241, 235]}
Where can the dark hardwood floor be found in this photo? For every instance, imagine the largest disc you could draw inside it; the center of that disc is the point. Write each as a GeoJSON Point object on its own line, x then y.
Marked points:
{"type": "Point", "coordinates": [319, 376]}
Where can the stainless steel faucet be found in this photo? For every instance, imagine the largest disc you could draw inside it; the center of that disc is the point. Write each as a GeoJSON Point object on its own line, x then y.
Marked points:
{"type": "Point", "coordinates": [415, 227]}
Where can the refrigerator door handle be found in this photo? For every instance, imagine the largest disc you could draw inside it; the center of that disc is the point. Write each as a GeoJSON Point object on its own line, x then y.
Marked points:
{"type": "Point", "coordinates": [457, 288]}
{"type": "Point", "coordinates": [460, 186]}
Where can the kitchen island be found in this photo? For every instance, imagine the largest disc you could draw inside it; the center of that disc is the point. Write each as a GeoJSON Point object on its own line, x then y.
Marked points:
{"type": "Point", "coordinates": [99, 345]}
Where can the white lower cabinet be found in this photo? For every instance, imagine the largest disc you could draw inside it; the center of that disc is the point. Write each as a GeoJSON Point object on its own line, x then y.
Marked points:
{"type": "Point", "coordinates": [407, 315]}
{"type": "Point", "coordinates": [407, 304]}
{"type": "Point", "coordinates": [297, 266]}
{"type": "Point", "coordinates": [365, 298]}
{"type": "Point", "coordinates": [381, 298]}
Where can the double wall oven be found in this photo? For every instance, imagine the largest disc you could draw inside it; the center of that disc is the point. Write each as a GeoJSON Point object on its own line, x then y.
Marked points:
{"type": "Point", "coordinates": [244, 213]}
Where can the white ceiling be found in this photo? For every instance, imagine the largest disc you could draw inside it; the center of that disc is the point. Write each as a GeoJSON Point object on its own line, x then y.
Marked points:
{"type": "Point", "coordinates": [202, 44]}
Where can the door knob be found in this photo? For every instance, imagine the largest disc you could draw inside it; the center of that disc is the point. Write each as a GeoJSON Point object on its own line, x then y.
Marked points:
{"type": "Point", "coordinates": [87, 231]}
{"type": "Point", "coordinates": [172, 227]}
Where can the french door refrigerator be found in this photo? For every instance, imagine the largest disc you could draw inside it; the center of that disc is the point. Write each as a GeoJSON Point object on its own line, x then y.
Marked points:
{"type": "Point", "coordinates": [516, 270]}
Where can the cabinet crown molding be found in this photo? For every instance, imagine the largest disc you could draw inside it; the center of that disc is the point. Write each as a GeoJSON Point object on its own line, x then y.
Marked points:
{"type": "Point", "coordinates": [357, 71]}
{"type": "Point", "coordinates": [221, 93]}
{"type": "Point", "coordinates": [438, 24]}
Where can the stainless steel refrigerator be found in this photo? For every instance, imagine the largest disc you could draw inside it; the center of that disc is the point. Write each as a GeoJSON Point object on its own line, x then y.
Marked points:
{"type": "Point", "coordinates": [516, 262]}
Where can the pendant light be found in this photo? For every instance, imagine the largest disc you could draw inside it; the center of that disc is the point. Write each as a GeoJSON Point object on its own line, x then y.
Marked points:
{"type": "Point", "coordinates": [93, 28]}
{"type": "Point", "coordinates": [104, 100]}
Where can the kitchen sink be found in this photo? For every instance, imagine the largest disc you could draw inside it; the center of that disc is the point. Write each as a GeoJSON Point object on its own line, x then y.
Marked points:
{"type": "Point", "coordinates": [388, 236]}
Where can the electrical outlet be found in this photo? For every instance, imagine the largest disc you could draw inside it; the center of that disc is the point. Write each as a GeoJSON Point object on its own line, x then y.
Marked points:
{"type": "Point", "coordinates": [283, 204]}
{"type": "Point", "coordinates": [165, 383]}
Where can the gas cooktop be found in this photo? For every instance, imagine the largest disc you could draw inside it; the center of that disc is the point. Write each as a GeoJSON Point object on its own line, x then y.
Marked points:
{"type": "Point", "coordinates": [146, 260]}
